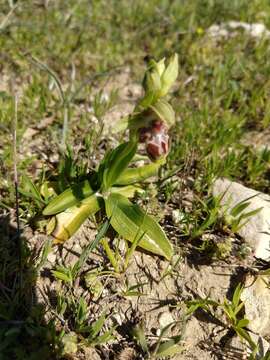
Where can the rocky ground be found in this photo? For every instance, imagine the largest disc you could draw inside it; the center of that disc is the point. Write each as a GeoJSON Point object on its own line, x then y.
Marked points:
{"type": "Point", "coordinates": [212, 197]}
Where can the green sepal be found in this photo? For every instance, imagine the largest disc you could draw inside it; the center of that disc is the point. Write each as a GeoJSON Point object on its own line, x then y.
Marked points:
{"type": "Point", "coordinates": [164, 112]}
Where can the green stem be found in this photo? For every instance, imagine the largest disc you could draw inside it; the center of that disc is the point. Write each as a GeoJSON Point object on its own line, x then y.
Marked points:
{"type": "Point", "coordinates": [110, 254]}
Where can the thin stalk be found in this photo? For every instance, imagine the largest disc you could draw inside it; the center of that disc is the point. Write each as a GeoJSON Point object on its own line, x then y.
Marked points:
{"type": "Point", "coordinates": [132, 249]}
{"type": "Point", "coordinates": [110, 254]}
{"type": "Point", "coordinates": [16, 186]}
{"type": "Point", "coordinates": [65, 125]}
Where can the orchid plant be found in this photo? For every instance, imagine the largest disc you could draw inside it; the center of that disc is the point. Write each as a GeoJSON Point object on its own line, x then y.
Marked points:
{"type": "Point", "coordinates": [109, 189]}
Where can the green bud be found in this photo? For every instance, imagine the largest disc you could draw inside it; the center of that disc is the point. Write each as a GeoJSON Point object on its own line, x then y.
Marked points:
{"type": "Point", "coordinates": [152, 82]}
{"type": "Point", "coordinates": [169, 75]}
{"type": "Point", "coordinates": [160, 66]}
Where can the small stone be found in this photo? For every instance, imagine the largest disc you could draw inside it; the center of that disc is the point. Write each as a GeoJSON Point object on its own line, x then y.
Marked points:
{"type": "Point", "coordinates": [177, 216]}
{"type": "Point", "coordinates": [51, 257]}
{"type": "Point", "coordinates": [77, 248]}
{"type": "Point", "coordinates": [256, 297]}
{"type": "Point", "coordinates": [165, 319]}
{"type": "Point", "coordinates": [255, 230]}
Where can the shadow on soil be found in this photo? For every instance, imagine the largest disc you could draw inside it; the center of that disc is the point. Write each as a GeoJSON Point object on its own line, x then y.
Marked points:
{"type": "Point", "coordinates": [24, 334]}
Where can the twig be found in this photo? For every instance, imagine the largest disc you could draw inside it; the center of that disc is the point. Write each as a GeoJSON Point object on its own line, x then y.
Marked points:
{"type": "Point", "coordinates": [16, 185]}
{"type": "Point", "coordinates": [6, 18]}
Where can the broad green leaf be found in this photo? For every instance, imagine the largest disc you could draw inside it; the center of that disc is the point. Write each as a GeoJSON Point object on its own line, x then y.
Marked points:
{"type": "Point", "coordinates": [68, 222]}
{"type": "Point", "coordinates": [164, 111]}
{"type": "Point", "coordinates": [70, 197]}
{"type": "Point", "coordinates": [250, 213]}
{"type": "Point", "coordinates": [131, 222]}
{"type": "Point", "coordinates": [239, 208]}
{"type": "Point", "coordinates": [245, 335]}
{"type": "Point", "coordinates": [116, 163]}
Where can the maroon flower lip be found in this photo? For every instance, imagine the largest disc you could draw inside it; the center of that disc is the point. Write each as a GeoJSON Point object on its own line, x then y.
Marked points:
{"type": "Point", "coordinates": [156, 139]}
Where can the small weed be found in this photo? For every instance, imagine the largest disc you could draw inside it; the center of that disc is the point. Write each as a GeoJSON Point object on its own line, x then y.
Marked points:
{"type": "Point", "coordinates": [233, 311]}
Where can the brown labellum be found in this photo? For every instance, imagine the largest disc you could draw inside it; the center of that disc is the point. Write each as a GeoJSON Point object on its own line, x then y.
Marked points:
{"type": "Point", "coordinates": [156, 139]}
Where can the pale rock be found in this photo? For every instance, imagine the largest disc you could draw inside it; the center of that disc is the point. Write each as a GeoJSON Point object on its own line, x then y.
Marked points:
{"type": "Point", "coordinates": [256, 297]}
{"type": "Point", "coordinates": [225, 30]}
{"type": "Point", "coordinates": [256, 229]}
{"type": "Point", "coordinates": [255, 30]}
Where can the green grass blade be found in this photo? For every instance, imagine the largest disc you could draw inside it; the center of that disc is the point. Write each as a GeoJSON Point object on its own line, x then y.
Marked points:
{"type": "Point", "coordinates": [89, 248]}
